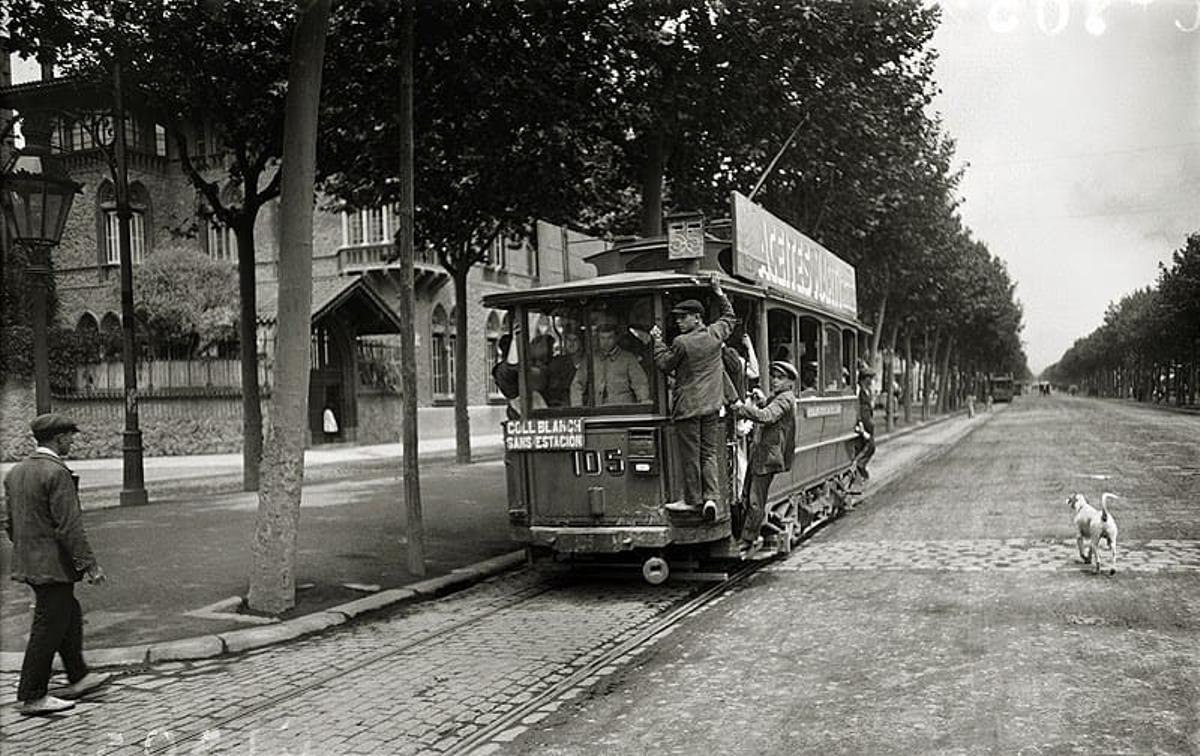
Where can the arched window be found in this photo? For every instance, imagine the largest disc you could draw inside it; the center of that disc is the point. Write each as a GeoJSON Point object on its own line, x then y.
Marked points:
{"type": "Point", "coordinates": [110, 228]}
{"type": "Point", "coordinates": [110, 337]}
{"type": "Point", "coordinates": [89, 330]}
{"type": "Point", "coordinates": [440, 347]}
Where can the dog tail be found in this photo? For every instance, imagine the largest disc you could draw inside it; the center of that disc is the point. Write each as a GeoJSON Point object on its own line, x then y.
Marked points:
{"type": "Point", "coordinates": [1104, 497]}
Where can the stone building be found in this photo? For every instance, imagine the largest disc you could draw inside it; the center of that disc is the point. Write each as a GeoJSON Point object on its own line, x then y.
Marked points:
{"type": "Point", "coordinates": [355, 296]}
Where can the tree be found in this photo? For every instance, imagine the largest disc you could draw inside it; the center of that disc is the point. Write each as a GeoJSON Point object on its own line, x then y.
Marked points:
{"type": "Point", "coordinates": [186, 300]}
{"type": "Point", "coordinates": [273, 577]}
{"type": "Point", "coordinates": [214, 72]}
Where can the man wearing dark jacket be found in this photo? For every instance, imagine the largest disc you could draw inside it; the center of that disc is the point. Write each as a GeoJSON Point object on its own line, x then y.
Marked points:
{"type": "Point", "coordinates": [50, 554]}
{"type": "Point", "coordinates": [772, 451]}
{"type": "Point", "coordinates": [695, 356]}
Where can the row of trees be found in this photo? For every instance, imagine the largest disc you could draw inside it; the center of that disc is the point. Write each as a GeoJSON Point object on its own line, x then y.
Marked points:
{"type": "Point", "coordinates": [1148, 347]}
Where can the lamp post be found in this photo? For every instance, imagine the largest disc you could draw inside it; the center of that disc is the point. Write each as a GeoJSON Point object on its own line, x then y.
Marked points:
{"type": "Point", "coordinates": [37, 197]}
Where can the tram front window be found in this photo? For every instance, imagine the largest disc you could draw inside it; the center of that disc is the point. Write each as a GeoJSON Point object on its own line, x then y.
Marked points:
{"type": "Point", "coordinates": [585, 356]}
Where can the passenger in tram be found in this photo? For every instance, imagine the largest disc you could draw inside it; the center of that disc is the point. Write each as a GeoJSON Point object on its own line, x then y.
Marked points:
{"type": "Point", "coordinates": [694, 356]}
{"type": "Point", "coordinates": [808, 378]}
{"type": "Point", "coordinates": [620, 377]}
{"type": "Point", "coordinates": [772, 450]}
{"type": "Point", "coordinates": [866, 422]}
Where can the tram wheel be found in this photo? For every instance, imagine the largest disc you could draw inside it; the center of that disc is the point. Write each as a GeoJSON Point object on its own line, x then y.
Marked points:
{"type": "Point", "coordinates": [655, 570]}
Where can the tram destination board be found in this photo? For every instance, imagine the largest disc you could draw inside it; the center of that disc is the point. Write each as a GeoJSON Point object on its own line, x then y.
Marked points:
{"type": "Point", "coordinates": [771, 252]}
{"type": "Point", "coordinates": [557, 434]}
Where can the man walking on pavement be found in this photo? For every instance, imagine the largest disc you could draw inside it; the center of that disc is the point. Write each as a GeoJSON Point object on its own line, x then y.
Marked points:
{"type": "Point", "coordinates": [50, 553]}
{"type": "Point", "coordinates": [695, 357]}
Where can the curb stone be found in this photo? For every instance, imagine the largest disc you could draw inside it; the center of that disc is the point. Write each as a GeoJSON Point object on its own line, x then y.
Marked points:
{"type": "Point", "coordinates": [246, 639]}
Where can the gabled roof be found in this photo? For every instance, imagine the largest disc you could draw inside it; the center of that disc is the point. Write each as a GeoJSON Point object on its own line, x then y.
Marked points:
{"type": "Point", "coordinates": [352, 298]}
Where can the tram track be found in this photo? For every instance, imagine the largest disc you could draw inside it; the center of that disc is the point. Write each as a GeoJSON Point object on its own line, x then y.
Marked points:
{"type": "Point", "coordinates": [647, 636]}
{"type": "Point", "coordinates": [642, 639]}
{"type": "Point", "coordinates": [274, 700]}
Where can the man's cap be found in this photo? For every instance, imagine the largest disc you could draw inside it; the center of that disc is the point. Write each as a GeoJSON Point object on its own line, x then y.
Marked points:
{"type": "Point", "coordinates": [779, 366]}
{"type": "Point", "coordinates": [52, 423]}
{"type": "Point", "coordinates": [864, 370]}
{"type": "Point", "coordinates": [690, 306]}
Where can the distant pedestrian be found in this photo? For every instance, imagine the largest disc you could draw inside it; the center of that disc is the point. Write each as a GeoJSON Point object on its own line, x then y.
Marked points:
{"type": "Point", "coordinates": [866, 420]}
{"type": "Point", "coordinates": [50, 554]}
{"type": "Point", "coordinates": [695, 357]}
{"type": "Point", "coordinates": [329, 424]}
{"type": "Point", "coordinates": [772, 451]}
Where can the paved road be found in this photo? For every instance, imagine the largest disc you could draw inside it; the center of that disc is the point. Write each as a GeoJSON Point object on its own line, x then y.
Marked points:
{"type": "Point", "coordinates": [944, 615]}
{"type": "Point", "coordinates": [949, 615]}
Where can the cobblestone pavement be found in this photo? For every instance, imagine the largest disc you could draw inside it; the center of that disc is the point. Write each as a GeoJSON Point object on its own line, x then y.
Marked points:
{"type": "Point", "coordinates": [416, 682]}
{"type": "Point", "coordinates": [1011, 554]}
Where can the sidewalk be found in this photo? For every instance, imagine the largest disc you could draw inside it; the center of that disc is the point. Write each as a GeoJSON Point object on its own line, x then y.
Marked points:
{"type": "Point", "coordinates": [176, 598]}
{"type": "Point", "coordinates": [100, 480]}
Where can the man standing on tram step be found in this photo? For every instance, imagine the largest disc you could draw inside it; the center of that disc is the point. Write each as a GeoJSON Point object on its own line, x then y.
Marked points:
{"type": "Point", "coordinates": [695, 356]}
{"type": "Point", "coordinates": [866, 422]}
{"type": "Point", "coordinates": [773, 449]}
{"type": "Point", "coordinates": [50, 554]}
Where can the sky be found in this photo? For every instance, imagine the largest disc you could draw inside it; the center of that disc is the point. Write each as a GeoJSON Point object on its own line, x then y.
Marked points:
{"type": "Point", "coordinates": [1078, 125]}
{"type": "Point", "coordinates": [1080, 136]}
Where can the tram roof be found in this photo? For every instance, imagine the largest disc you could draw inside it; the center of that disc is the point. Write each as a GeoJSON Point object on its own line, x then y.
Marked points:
{"type": "Point", "coordinates": [651, 281]}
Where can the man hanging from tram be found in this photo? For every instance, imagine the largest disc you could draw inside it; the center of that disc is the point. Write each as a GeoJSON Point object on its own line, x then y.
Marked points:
{"type": "Point", "coordinates": [695, 357]}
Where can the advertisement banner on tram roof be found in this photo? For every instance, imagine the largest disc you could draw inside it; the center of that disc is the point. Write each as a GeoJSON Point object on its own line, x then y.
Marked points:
{"type": "Point", "coordinates": [772, 253]}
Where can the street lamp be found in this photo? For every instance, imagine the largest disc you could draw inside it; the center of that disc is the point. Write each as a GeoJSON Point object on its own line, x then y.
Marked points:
{"type": "Point", "coordinates": [37, 196]}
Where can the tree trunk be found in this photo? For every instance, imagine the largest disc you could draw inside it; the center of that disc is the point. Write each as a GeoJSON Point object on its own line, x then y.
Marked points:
{"type": "Point", "coordinates": [273, 574]}
{"type": "Point", "coordinates": [944, 378]}
{"type": "Point", "coordinates": [248, 337]}
{"type": "Point", "coordinates": [653, 173]}
{"type": "Point", "coordinates": [415, 525]}
{"type": "Point", "coordinates": [890, 379]}
{"type": "Point", "coordinates": [462, 418]}
{"type": "Point", "coordinates": [908, 375]}
{"type": "Point", "coordinates": [879, 316]}
{"type": "Point", "coordinates": [927, 358]}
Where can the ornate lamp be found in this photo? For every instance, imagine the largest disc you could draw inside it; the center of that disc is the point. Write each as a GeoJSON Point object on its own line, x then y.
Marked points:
{"type": "Point", "coordinates": [36, 194]}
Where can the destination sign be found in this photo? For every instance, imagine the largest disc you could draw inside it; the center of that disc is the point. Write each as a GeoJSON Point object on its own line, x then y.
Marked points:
{"type": "Point", "coordinates": [823, 410]}
{"type": "Point", "coordinates": [771, 252]}
{"type": "Point", "coordinates": [554, 434]}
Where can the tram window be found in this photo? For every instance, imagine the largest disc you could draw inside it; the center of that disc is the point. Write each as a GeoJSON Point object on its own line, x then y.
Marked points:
{"type": "Point", "coordinates": [849, 357]}
{"type": "Point", "coordinates": [553, 353]}
{"type": "Point", "coordinates": [832, 380]}
{"type": "Point", "coordinates": [616, 371]}
{"type": "Point", "coordinates": [810, 354]}
{"type": "Point", "coordinates": [781, 336]}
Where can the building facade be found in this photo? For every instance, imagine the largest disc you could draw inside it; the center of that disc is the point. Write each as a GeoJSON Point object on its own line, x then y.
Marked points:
{"type": "Point", "coordinates": [355, 292]}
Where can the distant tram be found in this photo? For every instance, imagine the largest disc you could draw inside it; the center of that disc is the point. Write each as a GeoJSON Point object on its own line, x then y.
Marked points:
{"type": "Point", "coordinates": [1002, 387]}
{"type": "Point", "coordinates": [590, 461]}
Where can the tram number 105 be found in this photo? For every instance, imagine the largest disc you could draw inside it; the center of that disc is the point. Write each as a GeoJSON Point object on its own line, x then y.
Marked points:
{"type": "Point", "coordinates": [588, 462]}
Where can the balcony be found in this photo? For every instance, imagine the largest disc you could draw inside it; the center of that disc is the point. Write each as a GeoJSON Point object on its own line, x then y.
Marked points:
{"type": "Point", "coordinates": [428, 274]}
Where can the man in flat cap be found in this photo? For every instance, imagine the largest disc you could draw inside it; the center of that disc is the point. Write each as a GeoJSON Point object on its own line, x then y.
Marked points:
{"type": "Point", "coordinates": [772, 451]}
{"type": "Point", "coordinates": [866, 419]}
{"type": "Point", "coordinates": [50, 554]}
{"type": "Point", "coordinates": [695, 356]}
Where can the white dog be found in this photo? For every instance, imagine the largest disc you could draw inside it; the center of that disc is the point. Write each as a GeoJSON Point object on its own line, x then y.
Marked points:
{"type": "Point", "coordinates": [1093, 525]}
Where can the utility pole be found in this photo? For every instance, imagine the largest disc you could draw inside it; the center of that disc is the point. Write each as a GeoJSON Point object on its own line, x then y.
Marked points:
{"type": "Point", "coordinates": [408, 348]}
{"type": "Point", "coordinates": [133, 488]}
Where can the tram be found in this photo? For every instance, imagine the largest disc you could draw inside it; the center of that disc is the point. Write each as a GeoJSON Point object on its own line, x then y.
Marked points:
{"type": "Point", "coordinates": [590, 453]}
